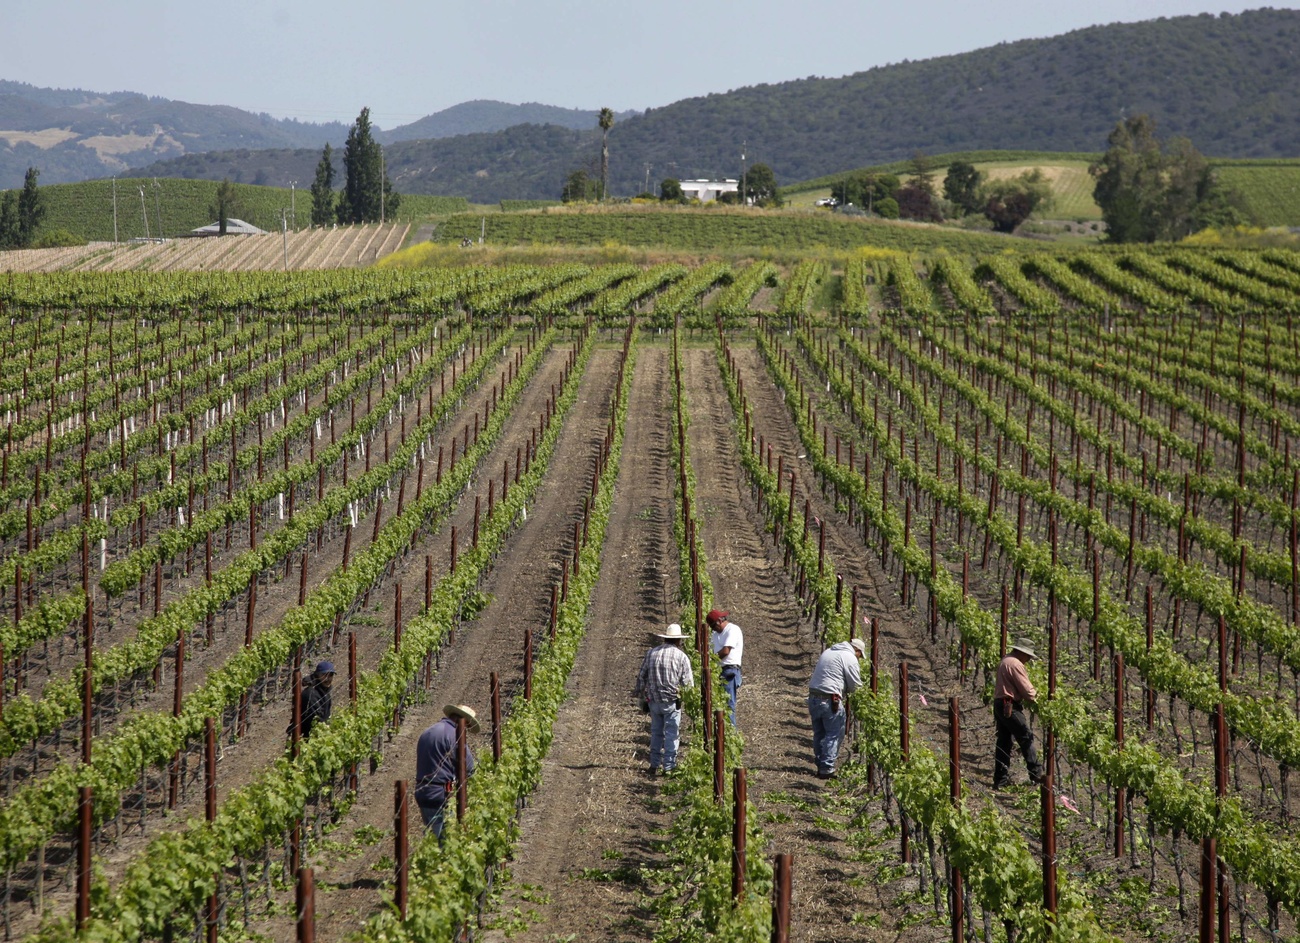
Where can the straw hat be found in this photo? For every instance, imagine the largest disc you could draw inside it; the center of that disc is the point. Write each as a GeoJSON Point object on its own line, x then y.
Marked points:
{"type": "Point", "coordinates": [1024, 649]}
{"type": "Point", "coordinates": [673, 632]}
{"type": "Point", "coordinates": [456, 711]}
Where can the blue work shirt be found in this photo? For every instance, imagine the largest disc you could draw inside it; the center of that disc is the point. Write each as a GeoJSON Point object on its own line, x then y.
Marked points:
{"type": "Point", "coordinates": [435, 762]}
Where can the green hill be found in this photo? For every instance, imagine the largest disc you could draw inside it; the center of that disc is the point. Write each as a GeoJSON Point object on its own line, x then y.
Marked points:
{"type": "Point", "coordinates": [86, 209]}
{"type": "Point", "coordinates": [1229, 83]}
{"type": "Point", "coordinates": [712, 228]}
{"type": "Point", "coordinates": [1269, 188]}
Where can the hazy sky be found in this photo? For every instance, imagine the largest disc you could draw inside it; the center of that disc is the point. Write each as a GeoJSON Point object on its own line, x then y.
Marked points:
{"type": "Point", "coordinates": [322, 60]}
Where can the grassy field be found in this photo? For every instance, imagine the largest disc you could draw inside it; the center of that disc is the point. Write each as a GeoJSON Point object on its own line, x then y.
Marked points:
{"type": "Point", "coordinates": [712, 228]}
{"type": "Point", "coordinates": [1067, 173]}
{"type": "Point", "coordinates": [86, 209]}
{"type": "Point", "coordinates": [1270, 189]}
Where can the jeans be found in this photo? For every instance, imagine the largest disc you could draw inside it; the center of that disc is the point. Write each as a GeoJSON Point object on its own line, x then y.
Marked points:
{"type": "Point", "coordinates": [828, 731]}
{"type": "Point", "coordinates": [433, 816]}
{"type": "Point", "coordinates": [1013, 729]}
{"type": "Point", "coordinates": [665, 734]}
{"type": "Point", "coordinates": [731, 678]}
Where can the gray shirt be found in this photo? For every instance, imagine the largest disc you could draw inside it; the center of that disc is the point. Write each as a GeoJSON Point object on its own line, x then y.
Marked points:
{"type": "Point", "coordinates": [665, 670]}
{"type": "Point", "coordinates": [837, 671]}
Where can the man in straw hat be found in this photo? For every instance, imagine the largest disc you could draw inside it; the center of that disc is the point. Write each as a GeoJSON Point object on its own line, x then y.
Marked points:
{"type": "Point", "coordinates": [665, 671]}
{"type": "Point", "coordinates": [435, 764]}
{"type": "Point", "coordinates": [1010, 692]}
{"type": "Point", "coordinates": [836, 676]}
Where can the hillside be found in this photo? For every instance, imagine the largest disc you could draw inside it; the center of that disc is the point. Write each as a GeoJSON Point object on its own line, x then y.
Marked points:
{"type": "Point", "coordinates": [1229, 83]}
{"type": "Point", "coordinates": [476, 117]}
{"type": "Point", "coordinates": [73, 134]}
{"type": "Point", "coordinates": [1268, 189]}
{"type": "Point", "coordinates": [86, 209]}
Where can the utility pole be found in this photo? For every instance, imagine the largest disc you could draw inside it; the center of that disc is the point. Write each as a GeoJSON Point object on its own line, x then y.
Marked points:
{"type": "Point", "coordinates": [647, 177]}
{"type": "Point", "coordinates": [293, 203]}
{"type": "Point", "coordinates": [742, 172]}
{"type": "Point", "coordinates": [381, 186]}
{"type": "Point", "coordinates": [284, 235]}
{"type": "Point", "coordinates": [114, 210]}
{"type": "Point", "coordinates": [144, 212]}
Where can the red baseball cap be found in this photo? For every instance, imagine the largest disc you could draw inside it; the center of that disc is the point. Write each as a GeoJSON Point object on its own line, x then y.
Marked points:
{"type": "Point", "coordinates": [716, 615]}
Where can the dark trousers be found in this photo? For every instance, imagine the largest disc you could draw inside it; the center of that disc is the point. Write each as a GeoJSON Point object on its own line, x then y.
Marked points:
{"type": "Point", "coordinates": [1013, 729]}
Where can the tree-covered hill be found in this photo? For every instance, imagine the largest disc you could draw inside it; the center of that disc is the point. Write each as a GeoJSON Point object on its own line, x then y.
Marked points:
{"type": "Point", "coordinates": [1230, 83]}
{"type": "Point", "coordinates": [476, 117]}
{"type": "Point", "coordinates": [73, 134]}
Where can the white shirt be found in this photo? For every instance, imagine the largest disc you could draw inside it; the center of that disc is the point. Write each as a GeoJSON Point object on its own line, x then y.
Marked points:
{"type": "Point", "coordinates": [730, 637]}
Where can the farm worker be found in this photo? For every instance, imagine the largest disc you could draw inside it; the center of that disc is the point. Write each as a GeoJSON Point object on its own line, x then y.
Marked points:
{"type": "Point", "coordinates": [316, 702]}
{"type": "Point", "coordinates": [1010, 691]}
{"type": "Point", "coordinates": [729, 646]}
{"type": "Point", "coordinates": [836, 676]}
{"type": "Point", "coordinates": [435, 764]}
{"type": "Point", "coordinates": [665, 671]}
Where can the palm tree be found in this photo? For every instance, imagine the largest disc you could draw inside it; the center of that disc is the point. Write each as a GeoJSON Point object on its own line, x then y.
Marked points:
{"type": "Point", "coordinates": [606, 122]}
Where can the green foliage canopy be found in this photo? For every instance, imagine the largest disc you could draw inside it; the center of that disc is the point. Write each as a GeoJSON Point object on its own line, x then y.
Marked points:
{"type": "Point", "coordinates": [367, 195]}
{"type": "Point", "coordinates": [1147, 193]}
{"type": "Point", "coordinates": [1010, 201]}
{"type": "Point", "coordinates": [961, 186]}
{"type": "Point", "coordinates": [322, 190]}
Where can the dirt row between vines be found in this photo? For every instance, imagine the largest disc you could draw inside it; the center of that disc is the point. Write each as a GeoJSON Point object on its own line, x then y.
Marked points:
{"type": "Point", "coordinates": [242, 761]}
{"type": "Point", "coordinates": [597, 820]}
{"type": "Point", "coordinates": [352, 879]}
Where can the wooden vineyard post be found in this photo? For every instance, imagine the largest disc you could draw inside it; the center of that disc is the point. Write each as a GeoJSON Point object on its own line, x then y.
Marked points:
{"type": "Point", "coordinates": [173, 784]}
{"type": "Point", "coordinates": [87, 681]}
{"type": "Point", "coordinates": [84, 809]}
{"type": "Point", "coordinates": [296, 725]}
{"type": "Point", "coordinates": [397, 617]}
{"type": "Point", "coordinates": [210, 809]}
{"type": "Point", "coordinates": [904, 742]}
{"type": "Point", "coordinates": [306, 910]}
{"type": "Point", "coordinates": [719, 756]}
{"type": "Point", "coordinates": [706, 692]}
{"type": "Point", "coordinates": [1150, 689]}
{"type": "Point", "coordinates": [781, 886]}
{"type": "Point", "coordinates": [957, 904]}
{"type": "Point", "coordinates": [1049, 830]}
{"type": "Point", "coordinates": [739, 813]}
{"type": "Point", "coordinates": [528, 664]}
{"type": "Point", "coordinates": [401, 824]}
{"type": "Point", "coordinates": [462, 768]}
{"type": "Point", "coordinates": [1121, 796]}
{"type": "Point", "coordinates": [496, 717]}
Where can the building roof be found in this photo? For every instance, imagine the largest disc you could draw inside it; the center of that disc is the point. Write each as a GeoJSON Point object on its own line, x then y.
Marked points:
{"type": "Point", "coordinates": [234, 227]}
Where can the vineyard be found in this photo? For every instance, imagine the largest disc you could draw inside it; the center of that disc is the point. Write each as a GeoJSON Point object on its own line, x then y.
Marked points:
{"type": "Point", "coordinates": [348, 247]}
{"type": "Point", "coordinates": [488, 485]}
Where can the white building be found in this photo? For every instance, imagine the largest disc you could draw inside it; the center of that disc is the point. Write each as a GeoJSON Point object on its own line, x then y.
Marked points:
{"type": "Point", "coordinates": [707, 191]}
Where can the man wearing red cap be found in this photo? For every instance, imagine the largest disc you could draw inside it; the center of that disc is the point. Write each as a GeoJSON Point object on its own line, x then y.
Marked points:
{"type": "Point", "coordinates": [729, 646]}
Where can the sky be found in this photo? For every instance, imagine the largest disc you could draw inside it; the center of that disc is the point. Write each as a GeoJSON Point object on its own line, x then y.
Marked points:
{"type": "Point", "coordinates": [324, 60]}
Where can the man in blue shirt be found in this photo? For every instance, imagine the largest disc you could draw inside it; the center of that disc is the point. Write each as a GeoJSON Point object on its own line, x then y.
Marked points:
{"type": "Point", "coordinates": [836, 676]}
{"type": "Point", "coordinates": [435, 765]}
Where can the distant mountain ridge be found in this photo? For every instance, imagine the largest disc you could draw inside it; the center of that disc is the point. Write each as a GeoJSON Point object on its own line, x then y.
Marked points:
{"type": "Point", "coordinates": [476, 117]}
{"type": "Point", "coordinates": [1231, 83]}
{"type": "Point", "coordinates": [74, 134]}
